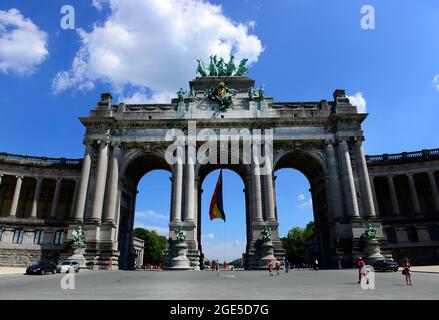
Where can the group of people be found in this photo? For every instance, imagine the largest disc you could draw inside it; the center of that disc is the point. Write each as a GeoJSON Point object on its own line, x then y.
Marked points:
{"type": "Point", "coordinates": [276, 266]}
{"type": "Point", "coordinates": [363, 271]}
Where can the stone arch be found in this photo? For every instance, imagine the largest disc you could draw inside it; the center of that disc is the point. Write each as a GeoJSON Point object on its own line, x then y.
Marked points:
{"type": "Point", "coordinates": [135, 164]}
{"type": "Point", "coordinates": [311, 164]}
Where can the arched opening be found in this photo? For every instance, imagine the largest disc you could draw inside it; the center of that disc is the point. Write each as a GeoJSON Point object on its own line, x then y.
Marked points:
{"type": "Point", "coordinates": [294, 210]}
{"type": "Point", "coordinates": [145, 192]}
{"type": "Point", "coordinates": [216, 239]}
{"type": "Point", "coordinates": [308, 173]}
{"type": "Point", "coordinates": [223, 240]}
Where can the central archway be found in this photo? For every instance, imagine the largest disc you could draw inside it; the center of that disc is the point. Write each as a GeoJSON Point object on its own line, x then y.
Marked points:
{"type": "Point", "coordinates": [234, 218]}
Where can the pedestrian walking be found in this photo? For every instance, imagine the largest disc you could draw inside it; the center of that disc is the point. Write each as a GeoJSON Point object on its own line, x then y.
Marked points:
{"type": "Point", "coordinates": [217, 268]}
{"type": "Point", "coordinates": [270, 267]}
{"type": "Point", "coordinates": [406, 271]}
{"type": "Point", "coordinates": [277, 266]}
{"type": "Point", "coordinates": [360, 265]}
{"type": "Point", "coordinates": [287, 266]}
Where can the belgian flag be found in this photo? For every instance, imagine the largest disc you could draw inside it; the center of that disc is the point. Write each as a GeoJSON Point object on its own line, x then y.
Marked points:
{"type": "Point", "coordinates": [216, 210]}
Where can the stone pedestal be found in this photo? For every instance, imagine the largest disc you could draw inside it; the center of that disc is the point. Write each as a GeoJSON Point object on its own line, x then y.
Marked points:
{"type": "Point", "coordinates": [267, 255]}
{"type": "Point", "coordinates": [373, 252]}
{"type": "Point", "coordinates": [180, 260]}
{"type": "Point", "coordinates": [78, 255]}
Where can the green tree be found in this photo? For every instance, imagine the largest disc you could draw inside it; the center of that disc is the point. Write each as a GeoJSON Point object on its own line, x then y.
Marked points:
{"type": "Point", "coordinates": [154, 247]}
{"type": "Point", "coordinates": [295, 243]}
{"type": "Point", "coordinates": [237, 263]}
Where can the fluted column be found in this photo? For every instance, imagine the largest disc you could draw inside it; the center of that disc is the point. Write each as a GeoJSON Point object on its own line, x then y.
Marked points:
{"type": "Point", "coordinates": [75, 198]}
{"type": "Point", "coordinates": [375, 202]}
{"type": "Point", "coordinates": [16, 197]}
{"type": "Point", "coordinates": [349, 185]}
{"type": "Point", "coordinates": [101, 178]}
{"type": "Point", "coordinates": [366, 189]}
{"type": "Point", "coordinates": [414, 194]}
{"type": "Point", "coordinates": [177, 186]}
{"type": "Point", "coordinates": [331, 163]}
{"type": "Point", "coordinates": [110, 213]}
{"type": "Point", "coordinates": [37, 194]}
{"type": "Point", "coordinates": [393, 196]}
{"type": "Point", "coordinates": [269, 191]}
{"type": "Point", "coordinates": [434, 190]}
{"type": "Point", "coordinates": [56, 198]}
{"type": "Point", "coordinates": [83, 186]}
{"type": "Point", "coordinates": [256, 190]}
{"type": "Point", "coordinates": [190, 190]}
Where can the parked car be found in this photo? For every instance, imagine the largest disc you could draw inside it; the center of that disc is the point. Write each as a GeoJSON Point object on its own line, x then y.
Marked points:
{"type": "Point", "coordinates": [67, 266]}
{"type": "Point", "coordinates": [41, 267]}
{"type": "Point", "coordinates": [385, 265]}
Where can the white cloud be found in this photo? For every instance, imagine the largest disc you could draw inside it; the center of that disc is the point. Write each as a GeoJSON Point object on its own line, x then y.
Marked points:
{"type": "Point", "coordinates": [209, 236]}
{"type": "Point", "coordinates": [305, 205]}
{"type": "Point", "coordinates": [154, 44]}
{"type": "Point", "coordinates": [160, 230]}
{"type": "Point", "coordinates": [358, 101]}
{"type": "Point", "coordinates": [98, 4]}
{"type": "Point", "coordinates": [150, 214]}
{"type": "Point", "coordinates": [142, 97]}
{"type": "Point", "coordinates": [436, 82]}
{"type": "Point", "coordinates": [23, 46]}
{"type": "Point", "coordinates": [301, 197]}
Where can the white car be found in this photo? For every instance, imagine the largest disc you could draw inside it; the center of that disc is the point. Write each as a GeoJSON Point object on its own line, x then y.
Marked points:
{"type": "Point", "coordinates": [67, 266]}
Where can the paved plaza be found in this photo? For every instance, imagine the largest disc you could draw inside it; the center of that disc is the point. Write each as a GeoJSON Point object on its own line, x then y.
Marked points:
{"type": "Point", "coordinates": [198, 285]}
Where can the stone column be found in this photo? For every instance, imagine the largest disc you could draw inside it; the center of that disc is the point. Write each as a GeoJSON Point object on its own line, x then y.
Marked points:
{"type": "Point", "coordinates": [393, 196]}
{"type": "Point", "coordinates": [434, 190]}
{"type": "Point", "coordinates": [269, 191]}
{"type": "Point", "coordinates": [110, 213]}
{"type": "Point", "coordinates": [349, 185]}
{"type": "Point", "coordinates": [190, 190]}
{"type": "Point", "coordinates": [1, 176]}
{"type": "Point", "coordinates": [16, 197]}
{"type": "Point", "coordinates": [101, 178]}
{"type": "Point", "coordinates": [75, 198]}
{"type": "Point", "coordinates": [375, 202]}
{"type": "Point", "coordinates": [37, 194]}
{"type": "Point", "coordinates": [83, 186]}
{"type": "Point", "coordinates": [331, 163]}
{"type": "Point", "coordinates": [56, 198]}
{"type": "Point", "coordinates": [256, 191]}
{"type": "Point", "coordinates": [177, 186]}
{"type": "Point", "coordinates": [366, 189]}
{"type": "Point", "coordinates": [414, 193]}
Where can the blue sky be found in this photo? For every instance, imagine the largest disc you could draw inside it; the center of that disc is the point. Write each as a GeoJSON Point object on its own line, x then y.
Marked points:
{"type": "Point", "coordinates": [300, 50]}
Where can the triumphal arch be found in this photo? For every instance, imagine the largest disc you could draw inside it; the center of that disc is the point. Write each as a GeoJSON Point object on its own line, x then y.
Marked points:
{"type": "Point", "coordinates": [224, 121]}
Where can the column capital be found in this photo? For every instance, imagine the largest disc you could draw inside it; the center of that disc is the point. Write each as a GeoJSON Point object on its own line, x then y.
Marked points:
{"type": "Point", "coordinates": [330, 142]}
{"type": "Point", "coordinates": [19, 177]}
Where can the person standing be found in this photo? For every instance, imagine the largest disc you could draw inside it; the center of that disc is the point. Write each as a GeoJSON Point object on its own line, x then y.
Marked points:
{"type": "Point", "coordinates": [270, 267]}
{"type": "Point", "coordinates": [225, 265]}
{"type": "Point", "coordinates": [316, 265]}
{"type": "Point", "coordinates": [277, 265]}
{"type": "Point", "coordinates": [339, 263]}
{"type": "Point", "coordinates": [406, 271]}
{"type": "Point", "coordinates": [217, 267]}
{"type": "Point", "coordinates": [360, 265]}
{"type": "Point", "coordinates": [287, 266]}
